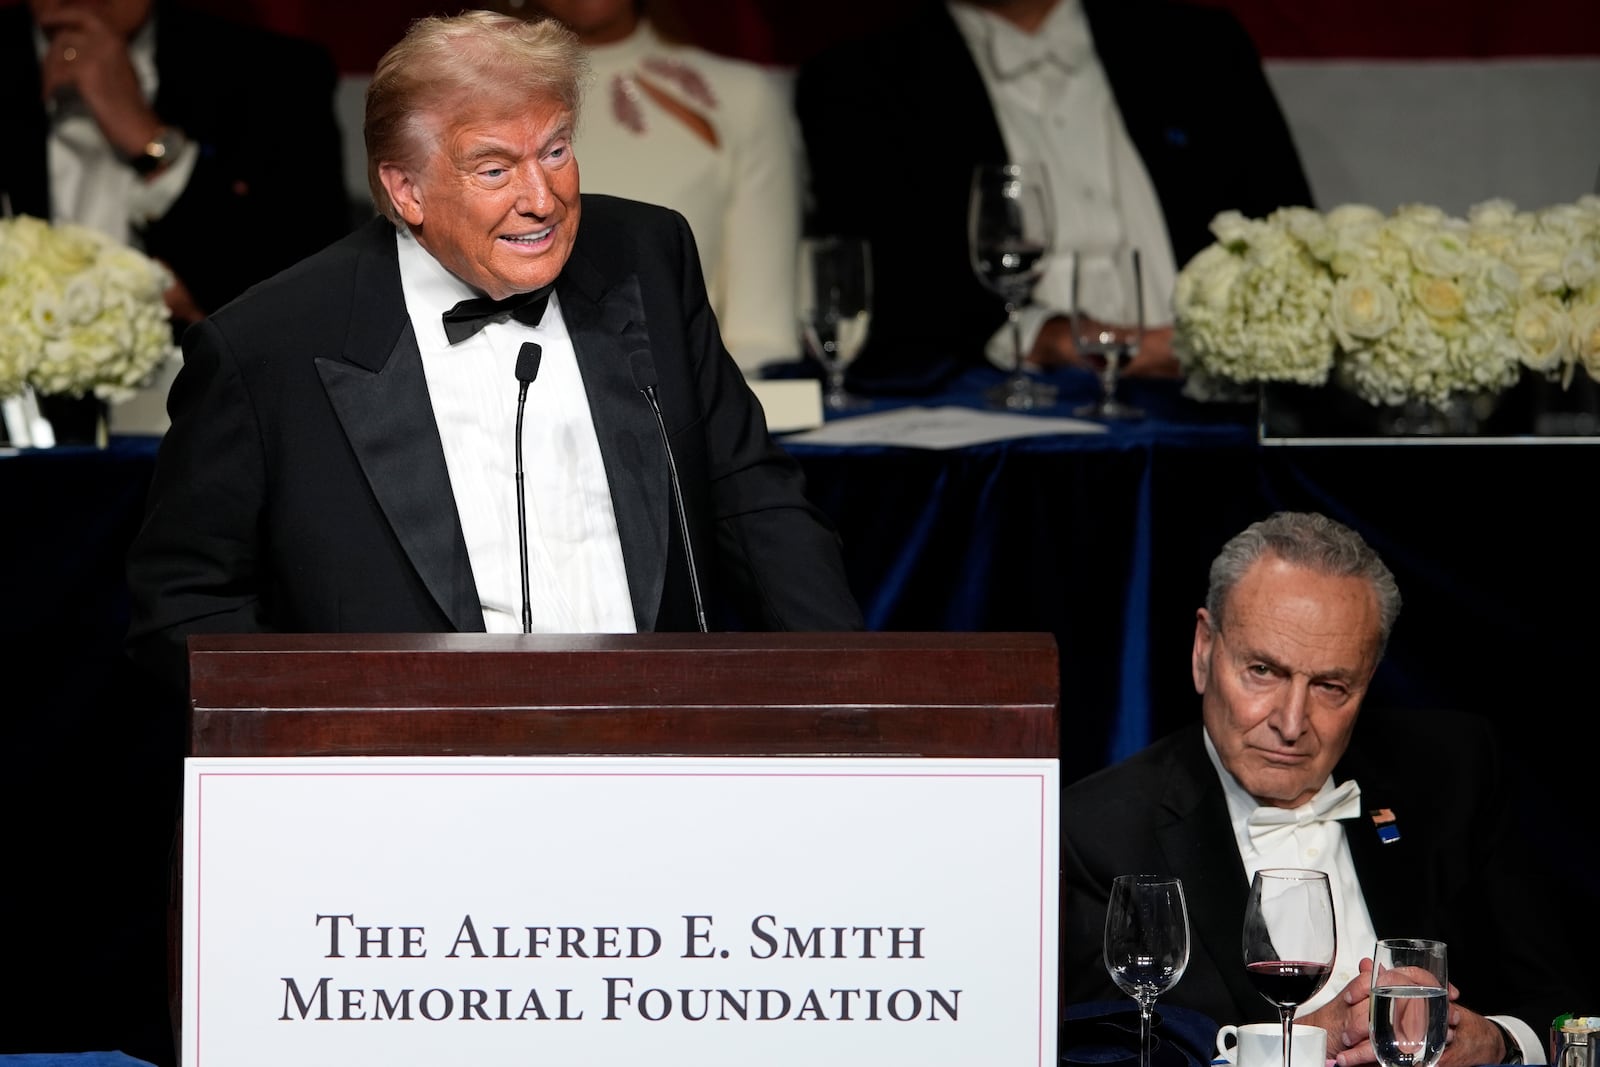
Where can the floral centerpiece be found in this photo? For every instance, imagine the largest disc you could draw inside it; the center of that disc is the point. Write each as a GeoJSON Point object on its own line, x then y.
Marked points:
{"type": "Point", "coordinates": [80, 314]}
{"type": "Point", "coordinates": [1413, 306]}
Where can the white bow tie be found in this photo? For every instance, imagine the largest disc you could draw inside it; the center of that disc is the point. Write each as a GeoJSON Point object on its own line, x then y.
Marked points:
{"type": "Point", "coordinates": [1015, 53]}
{"type": "Point", "coordinates": [1342, 802]}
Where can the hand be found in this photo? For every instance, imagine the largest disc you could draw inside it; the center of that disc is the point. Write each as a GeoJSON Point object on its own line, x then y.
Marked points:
{"type": "Point", "coordinates": [87, 56]}
{"type": "Point", "coordinates": [1347, 1020]}
{"type": "Point", "coordinates": [180, 301]}
{"type": "Point", "coordinates": [1473, 1039]}
{"type": "Point", "coordinates": [1056, 347]}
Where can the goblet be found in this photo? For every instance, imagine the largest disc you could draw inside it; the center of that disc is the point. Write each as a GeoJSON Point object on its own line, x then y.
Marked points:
{"type": "Point", "coordinates": [1010, 230]}
{"type": "Point", "coordinates": [1146, 942]}
{"type": "Point", "coordinates": [835, 304]}
{"type": "Point", "coordinates": [1289, 939]}
{"type": "Point", "coordinates": [1108, 323]}
{"type": "Point", "coordinates": [1410, 1002]}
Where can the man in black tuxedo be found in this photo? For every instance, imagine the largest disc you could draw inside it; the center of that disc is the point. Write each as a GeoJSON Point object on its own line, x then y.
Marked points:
{"type": "Point", "coordinates": [1411, 814]}
{"type": "Point", "coordinates": [342, 441]}
{"type": "Point", "coordinates": [212, 146]}
{"type": "Point", "coordinates": [894, 124]}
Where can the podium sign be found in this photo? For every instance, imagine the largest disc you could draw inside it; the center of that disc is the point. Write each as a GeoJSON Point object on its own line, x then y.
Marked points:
{"type": "Point", "coordinates": [609, 910]}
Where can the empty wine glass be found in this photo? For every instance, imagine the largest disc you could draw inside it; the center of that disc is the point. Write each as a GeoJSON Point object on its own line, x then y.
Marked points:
{"type": "Point", "coordinates": [1108, 322]}
{"type": "Point", "coordinates": [1010, 229]}
{"type": "Point", "coordinates": [1410, 1002]}
{"type": "Point", "coordinates": [1146, 942]}
{"type": "Point", "coordinates": [835, 304]}
{"type": "Point", "coordinates": [1289, 939]}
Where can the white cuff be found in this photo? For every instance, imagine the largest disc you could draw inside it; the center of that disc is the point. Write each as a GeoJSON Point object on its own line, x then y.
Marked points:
{"type": "Point", "coordinates": [1532, 1046]}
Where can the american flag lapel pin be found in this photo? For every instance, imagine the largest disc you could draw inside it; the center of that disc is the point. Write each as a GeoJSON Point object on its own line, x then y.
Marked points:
{"type": "Point", "coordinates": [1383, 822]}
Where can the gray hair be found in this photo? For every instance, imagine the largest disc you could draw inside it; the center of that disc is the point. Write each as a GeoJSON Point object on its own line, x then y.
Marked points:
{"type": "Point", "coordinates": [477, 59]}
{"type": "Point", "coordinates": [1305, 539]}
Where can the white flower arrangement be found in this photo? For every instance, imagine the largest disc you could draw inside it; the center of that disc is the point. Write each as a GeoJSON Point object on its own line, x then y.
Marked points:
{"type": "Point", "coordinates": [1413, 306]}
{"type": "Point", "coordinates": [79, 313]}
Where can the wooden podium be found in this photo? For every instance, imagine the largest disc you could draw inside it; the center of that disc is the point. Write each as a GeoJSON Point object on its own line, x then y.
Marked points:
{"type": "Point", "coordinates": [858, 694]}
{"type": "Point", "coordinates": [949, 695]}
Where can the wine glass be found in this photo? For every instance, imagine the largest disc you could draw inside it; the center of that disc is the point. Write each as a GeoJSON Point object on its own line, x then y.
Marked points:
{"type": "Point", "coordinates": [1289, 939]}
{"type": "Point", "coordinates": [835, 304]}
{"type": "Point", "coordinates": [1410, 1002]}
{"type": "Point", "coordinates": [1010, 229]}
{"type": "Point", "coordinates": [1108, 322]}
{"type": "Point", "coordinates": [1146, 942]}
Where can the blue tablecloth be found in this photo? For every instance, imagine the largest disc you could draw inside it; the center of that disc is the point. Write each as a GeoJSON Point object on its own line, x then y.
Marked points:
{"type": "Point", "coordinates": [1102, 540]}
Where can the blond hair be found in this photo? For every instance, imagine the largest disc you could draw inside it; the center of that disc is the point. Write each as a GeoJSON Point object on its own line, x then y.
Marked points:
{"type": "Point", "coordinates": [476, 60]}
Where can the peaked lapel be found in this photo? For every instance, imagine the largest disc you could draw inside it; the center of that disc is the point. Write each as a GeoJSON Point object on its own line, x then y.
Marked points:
{"type": "Point", "coordinates": [606, 321]}
{"type": "Point", "coordinates": [380, 395]}
{"type": "Point", "coordinates": [1387, 872]}
{"type": "Point", "coordinates": [1199, 847]}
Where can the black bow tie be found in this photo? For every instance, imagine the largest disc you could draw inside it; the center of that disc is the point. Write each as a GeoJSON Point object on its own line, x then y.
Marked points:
{"type": "Point", "coordinates": [470, 316]}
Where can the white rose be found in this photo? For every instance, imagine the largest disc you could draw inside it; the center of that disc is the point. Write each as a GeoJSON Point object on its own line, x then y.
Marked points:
{"type": "Point", "coordinates": [1363, 309]}
{"type": "Point", "coordinates": [1442, 251]}
{"type": "Point", "coordinates": [1586, 337]}
{"type": "Point", "coordinates": [1441, 298]}
{"type": "Point", "coordinates": [1542, 332]}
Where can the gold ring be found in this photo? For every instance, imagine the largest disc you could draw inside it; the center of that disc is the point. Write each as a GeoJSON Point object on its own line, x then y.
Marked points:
{"type": "Point", "coordinates": [69, 53]}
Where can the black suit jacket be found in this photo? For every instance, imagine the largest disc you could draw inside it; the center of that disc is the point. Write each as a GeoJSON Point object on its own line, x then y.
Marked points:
{"type": "Point", "coordinates": [268, 188]}
{"type": "Point", "coordinates": [1457, 872]}
{"type": "Point", "coordinates": [302, 486]}
{"type": "Point", "coordinates": [894, 124]}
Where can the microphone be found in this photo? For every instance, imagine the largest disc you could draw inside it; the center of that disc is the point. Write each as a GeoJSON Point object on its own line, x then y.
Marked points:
{"type": "Point", "coordinates": [527, 370]}
{"type": "Point", "coordinates": [644, 380]}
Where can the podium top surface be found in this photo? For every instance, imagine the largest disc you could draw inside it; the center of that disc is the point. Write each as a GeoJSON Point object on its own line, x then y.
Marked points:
{"type": "Point", "coordinates": [888, 694]}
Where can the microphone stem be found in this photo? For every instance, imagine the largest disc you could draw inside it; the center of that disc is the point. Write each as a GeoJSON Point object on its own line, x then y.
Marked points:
{"type": "Point", "coordinates": [522, 519]}
{"type": "Point", "coordinates": [683, 514]}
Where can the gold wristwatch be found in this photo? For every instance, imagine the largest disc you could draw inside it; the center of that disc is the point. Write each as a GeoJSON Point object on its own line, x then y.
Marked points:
{"type": "Point", "coordinates": [161, 150]}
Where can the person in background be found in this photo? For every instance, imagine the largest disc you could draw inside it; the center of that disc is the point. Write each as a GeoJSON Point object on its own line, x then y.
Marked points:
{"type": "Point", "coordinates": [344, 453]}
{"type": "Point", "coordinates": [1149, 116]}
{"type": "Point", "coordinates": [710, 136]}
{"type": "Point", "coordinates": [1410, 813]}
{"type": "Point", "coordinates": [210, 146]}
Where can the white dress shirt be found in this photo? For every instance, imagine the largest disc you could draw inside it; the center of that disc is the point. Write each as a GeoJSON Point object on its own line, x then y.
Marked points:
{"type": "Point", "coordinates": [1321, 845]}
{"type": "Point", "coordinates": [1318, 846]}
{"type": "Point", "coordinates": [577, 581]}
{"type": "Point", "coordinates": [1054, 106]}
{"type": "Point", "coordinates": [90, 184]}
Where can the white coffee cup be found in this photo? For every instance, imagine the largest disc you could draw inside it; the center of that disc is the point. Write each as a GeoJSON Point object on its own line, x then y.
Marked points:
{"type": "Point", "coordinates": [1261, 1045]}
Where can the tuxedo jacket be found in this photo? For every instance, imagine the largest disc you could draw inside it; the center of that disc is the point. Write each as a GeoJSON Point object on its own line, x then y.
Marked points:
{"type": "Point", "coordinates": [1457, 870]}
{"type": "Point", "coordinates": [268, 187]}
{"type": "Point", "coordinates": [302, 486]}
{"type": "Point", "coordinates": [894, 124]}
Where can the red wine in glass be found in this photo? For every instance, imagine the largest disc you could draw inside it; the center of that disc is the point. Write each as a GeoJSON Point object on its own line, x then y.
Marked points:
{"type": "Point", "coordinates": [1288, 982]}
{"type": "Point", "coordinates": [1289, 939]}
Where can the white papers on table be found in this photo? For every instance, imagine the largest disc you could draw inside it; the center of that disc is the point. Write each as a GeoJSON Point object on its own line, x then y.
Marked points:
{"type": "Point", "coordinates": [939, 427]}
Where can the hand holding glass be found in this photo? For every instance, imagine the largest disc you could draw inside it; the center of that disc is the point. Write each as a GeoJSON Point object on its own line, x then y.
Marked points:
{"type": "Point", "coordinates": [1010, 230]}
{"type": "Point", "coordinates": [1410, 1002]}
{"type": "Point", "coordinates": [1108, 323]}
{"type": "Point", "coordinates": [1289, 940]}
{"type": "Point", "coordinates": [1146, 942]}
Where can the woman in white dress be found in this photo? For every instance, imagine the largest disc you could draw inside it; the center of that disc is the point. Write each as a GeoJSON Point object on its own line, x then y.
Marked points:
{"type": "Point", "coordinates": [710, 136]}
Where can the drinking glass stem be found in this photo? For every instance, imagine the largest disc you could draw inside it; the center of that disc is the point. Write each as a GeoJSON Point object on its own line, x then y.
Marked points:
{"type": "Point", "coordinates": [1015, 321]}
{"type": "Point", "coordinates": [1288, 1031]}
{"type": "Point", "coordinates": [1146, 1022]}
{"type": "Point", "coordinates": [1108, 375]}
{"type": "Point", "coordinates": [835, 371]}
